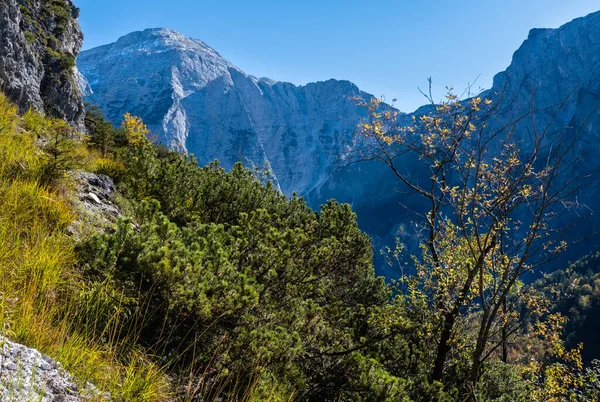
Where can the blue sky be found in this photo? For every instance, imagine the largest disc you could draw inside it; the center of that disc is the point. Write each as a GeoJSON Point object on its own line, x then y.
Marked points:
{"type": "Point", "coordinates": [386, 47]}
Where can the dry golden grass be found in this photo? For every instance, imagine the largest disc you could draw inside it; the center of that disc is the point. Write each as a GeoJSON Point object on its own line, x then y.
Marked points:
{"type": "Point", "coordinates": [39, 282]}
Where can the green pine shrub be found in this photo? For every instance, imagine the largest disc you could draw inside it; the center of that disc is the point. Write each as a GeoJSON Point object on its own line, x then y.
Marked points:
{"type": "Point", "coordinates": [227, 263]}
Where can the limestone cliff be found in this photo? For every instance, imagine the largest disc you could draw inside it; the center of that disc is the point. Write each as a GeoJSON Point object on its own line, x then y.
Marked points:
{"type": "Point", "coordinates": [198, 102]}
{"type": "Point", "coordinates": [39, 41]}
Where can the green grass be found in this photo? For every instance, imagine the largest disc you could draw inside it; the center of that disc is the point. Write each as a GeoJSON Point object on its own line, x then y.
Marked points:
{"type": "Point", "coordinates": [30, 36]}
{"type": "Point", "coordinates": [39, 281]}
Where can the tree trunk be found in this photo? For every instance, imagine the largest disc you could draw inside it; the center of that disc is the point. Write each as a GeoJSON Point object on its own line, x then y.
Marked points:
{"type": "Point", "coordinates": [443, 348]}
{"type": "Point", "coordinates": [476, 367]}
{"type": "Point", "coordinates": [449, 318]}
{"type": "Point", "coordinates": [504, 336]}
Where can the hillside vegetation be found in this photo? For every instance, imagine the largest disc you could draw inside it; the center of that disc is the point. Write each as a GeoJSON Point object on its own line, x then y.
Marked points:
{"type": "Point", "coordinates": [40, 284]}
{"type": "Point", "coordinates": [575, 292]}
{"type": "Point", "coordinates": [214, 286]}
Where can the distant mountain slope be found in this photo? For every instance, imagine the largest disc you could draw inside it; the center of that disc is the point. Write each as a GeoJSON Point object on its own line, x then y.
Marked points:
{"type": "Point", "coordinates": [200, 103]}
{"type": "Point", "coordinates": [557, 73]}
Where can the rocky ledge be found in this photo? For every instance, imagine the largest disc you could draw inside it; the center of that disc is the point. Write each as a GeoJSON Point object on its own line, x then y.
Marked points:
{"type": "Point", "coordinates": [96, 209]}
{"type": "Point", "coordinates": [28, 375]}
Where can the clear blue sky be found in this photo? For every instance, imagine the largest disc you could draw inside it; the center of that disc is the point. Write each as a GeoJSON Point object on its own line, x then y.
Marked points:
{"type": "Point", "coordinates": [386, 47]}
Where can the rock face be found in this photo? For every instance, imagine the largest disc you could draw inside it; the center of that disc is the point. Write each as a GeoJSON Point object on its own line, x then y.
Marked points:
{"type": "Point", "coordinates": [96, 209]}
{"type": "Point", "coordinates": [200, 103]}
{"type": "Point", "coordinates": [39, 41]}
{"type": "Point", "coordinates": [27, 375]}
{"type": "Point", "coordinates": [196, 101]}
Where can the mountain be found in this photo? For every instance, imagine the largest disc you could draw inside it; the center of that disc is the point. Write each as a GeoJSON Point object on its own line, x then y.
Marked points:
{"type": "Point", "coordinates": [39, 41]}
{"type": "Point", "coordinates": [200, 103]}
{"type": "Point", "coordinates": [233, 290]}
{"type": "Point", "coordinates": [555, 72]}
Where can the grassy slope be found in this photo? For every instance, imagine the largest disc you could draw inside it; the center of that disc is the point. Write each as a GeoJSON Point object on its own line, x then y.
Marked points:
{"type": "Point", "coordinates": [39, 282]}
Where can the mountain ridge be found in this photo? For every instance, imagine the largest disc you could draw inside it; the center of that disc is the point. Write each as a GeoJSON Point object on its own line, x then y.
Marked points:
{"type": "Point", "coordinates": [198, 102]}
{"type": "Point", "coordinates": [555, 74]}
{"type": "Point", "coordinates": [300, 132]}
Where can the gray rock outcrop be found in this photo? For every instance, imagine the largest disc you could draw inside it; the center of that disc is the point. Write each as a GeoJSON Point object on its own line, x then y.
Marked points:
{"type": "Point", "coordinates": [39, 41]}
{"type": "Point", "coordinates": [96, 209]}
{"type": "Point", "coordinates": [27, 375]}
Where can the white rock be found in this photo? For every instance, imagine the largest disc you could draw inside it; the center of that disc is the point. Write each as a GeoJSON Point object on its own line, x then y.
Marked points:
{"type": "Point", "coordinates": [93, 197]}
{"type": "Point", "coordinates": [27, 375]}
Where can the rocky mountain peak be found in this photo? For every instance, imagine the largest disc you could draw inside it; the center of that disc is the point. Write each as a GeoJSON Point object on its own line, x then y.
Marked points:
{"type": "Point", "coordinates": [154, 41]}
{"type": "Point", "coordinates": [198, 102]}
{"type": "Point", "coordinates": [190, 62]}
{"type": "Point", "coordinates": [556, 57]}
